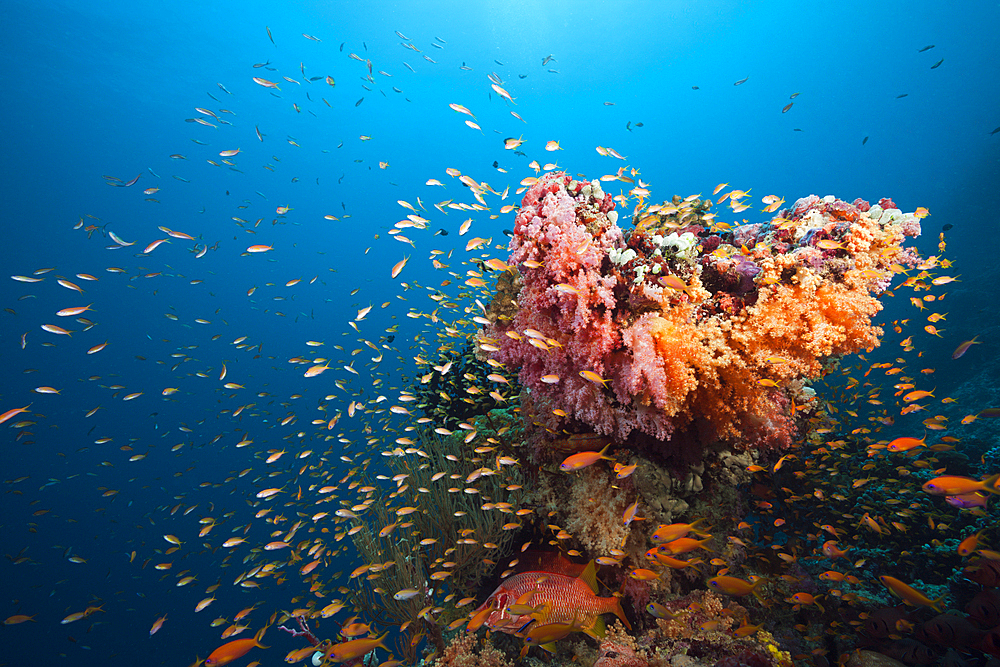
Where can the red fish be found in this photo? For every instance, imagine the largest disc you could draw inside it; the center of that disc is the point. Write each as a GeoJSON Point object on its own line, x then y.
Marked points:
{"type": "Point", "coordinates": [566, 599]}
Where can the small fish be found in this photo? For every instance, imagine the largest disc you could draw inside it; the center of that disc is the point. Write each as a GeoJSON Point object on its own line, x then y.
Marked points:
{"type": "Point", "coordinates": [787, 107]}
{"type": "Point", "coordinates": [908, 594]}
{"type": "Point", "coordinates": [937, 64]}
{"type": "Point", "coordinates": [906, 444]}
{"type": "Point", "coordinates": [157, 625]}
{"type": "Point", "coordinates": [13, 413]}
{"type": "Point", "coordinates": [399, 266]}
{"type": "Point", "coordinates": [964, 347]}
{"type": "Point", "coordinates": [657, 610]}
{"type": "Point", "coordinates": [736, 587]}
{"type": "Point", "coordinates": [234, 650]}
{"type": "Point", "coordinates": [591, 376]}
{"type": "Point", "coordinates": [961, 486]}
{"type": "Point", "coordinates": [264, 82]}
{"type": "Point", "coordinates": [864, 141]}
{"type": "Point", "coordinates": [584, 459]}
{"type": "Point", "coordinates": [741, 81]}
{"type": "Point", "coordinates": [356, 648]}
{"type": "Point", "coordinates": [926, 48]}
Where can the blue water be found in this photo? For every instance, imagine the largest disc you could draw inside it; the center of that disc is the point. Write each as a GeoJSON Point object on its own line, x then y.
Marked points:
{"type": "Point", "coordinates": [93, 89]}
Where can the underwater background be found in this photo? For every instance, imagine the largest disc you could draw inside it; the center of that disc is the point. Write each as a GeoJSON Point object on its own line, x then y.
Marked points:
{"type": "Point", "coordinates": [285, 198]}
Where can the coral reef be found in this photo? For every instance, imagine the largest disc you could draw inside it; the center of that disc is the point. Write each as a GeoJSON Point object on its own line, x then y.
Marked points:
{"type": "Point", "coordinates": [675, 328]}
{"type": "Point", "coordinates": [467, 650]}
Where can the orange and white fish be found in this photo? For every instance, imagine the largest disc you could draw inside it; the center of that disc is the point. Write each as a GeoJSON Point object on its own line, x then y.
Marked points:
{"type": "Point", "coordinates": [399, 266]}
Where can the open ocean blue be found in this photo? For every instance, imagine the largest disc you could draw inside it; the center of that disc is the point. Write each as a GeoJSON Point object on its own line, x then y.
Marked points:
{"type": "Point", "coordinates": [141, 119]}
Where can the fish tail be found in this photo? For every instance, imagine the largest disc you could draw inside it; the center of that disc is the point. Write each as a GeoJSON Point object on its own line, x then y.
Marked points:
{"type": "Point", "coordinates": [616, 609]}
{"type": "Point", "coordinates": [698, 531]}
{"type": "Point", "coordinates": [380, 642]}
{"type": "Point", "coordinates": [936, 604]}
{"type": "Point", "coordinates": [990, 484]}
{"type": "Point", "coordinates": [259, 636]}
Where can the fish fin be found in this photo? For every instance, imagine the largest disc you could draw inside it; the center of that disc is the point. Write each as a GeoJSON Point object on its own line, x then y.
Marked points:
{"type": "Point", "coordinates": [757, 594]}
{"type": "Point", "coordinates": [550, 647]}
{"type": "Point", "coordinates": [617, 610]}
{"type": "Point", "coordinates": [597, 629]}
{"type": "Point", "coordinates": [699, 531]}
{"type": "Point", "coordinates": [589, 574]}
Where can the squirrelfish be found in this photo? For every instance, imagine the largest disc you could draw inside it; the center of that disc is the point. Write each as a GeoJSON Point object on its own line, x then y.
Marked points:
{"type": "Point", "coordinates": [565, 597]}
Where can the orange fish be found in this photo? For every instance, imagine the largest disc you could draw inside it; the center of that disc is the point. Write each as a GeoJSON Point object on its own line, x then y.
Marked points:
{"type": "Point", "coordinates": [961, 486]}
{"type": "Point", "coordinates": [830, 549]}
{"type": "Point", "coordinates": [238, 648]}
{"type": "Point", "coordinates": [910, 595]}
{"type": "Point", "coordinates": [664, 533]}
{"type": "Point", "coordinates": [934, 331]}
{"type": "Point", "coordinates": [917, 395]}
{"type": "Point", "coordinates": [355, 648]}
{"type": "Point", "coordinates": [806, 599]}
{"type": "Point", "coordinates": [967, 546]}
{"type": "Point", "coordinates": [19, 618]}
{"type": "Point", "coordinates": [684, 545]}
{"type": "Point", "coordinates": [906, 444]}
{"type": "Point", "coordinates": [584, 459]}
{"type": "Point", "coordinates": [11, 413]}
{"type": "Point", "coordinates": [591, 376]}
{"type": "Point", "coordinates": [736, 586]}
{"type": "Point", "coordinates": [399, 267]}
